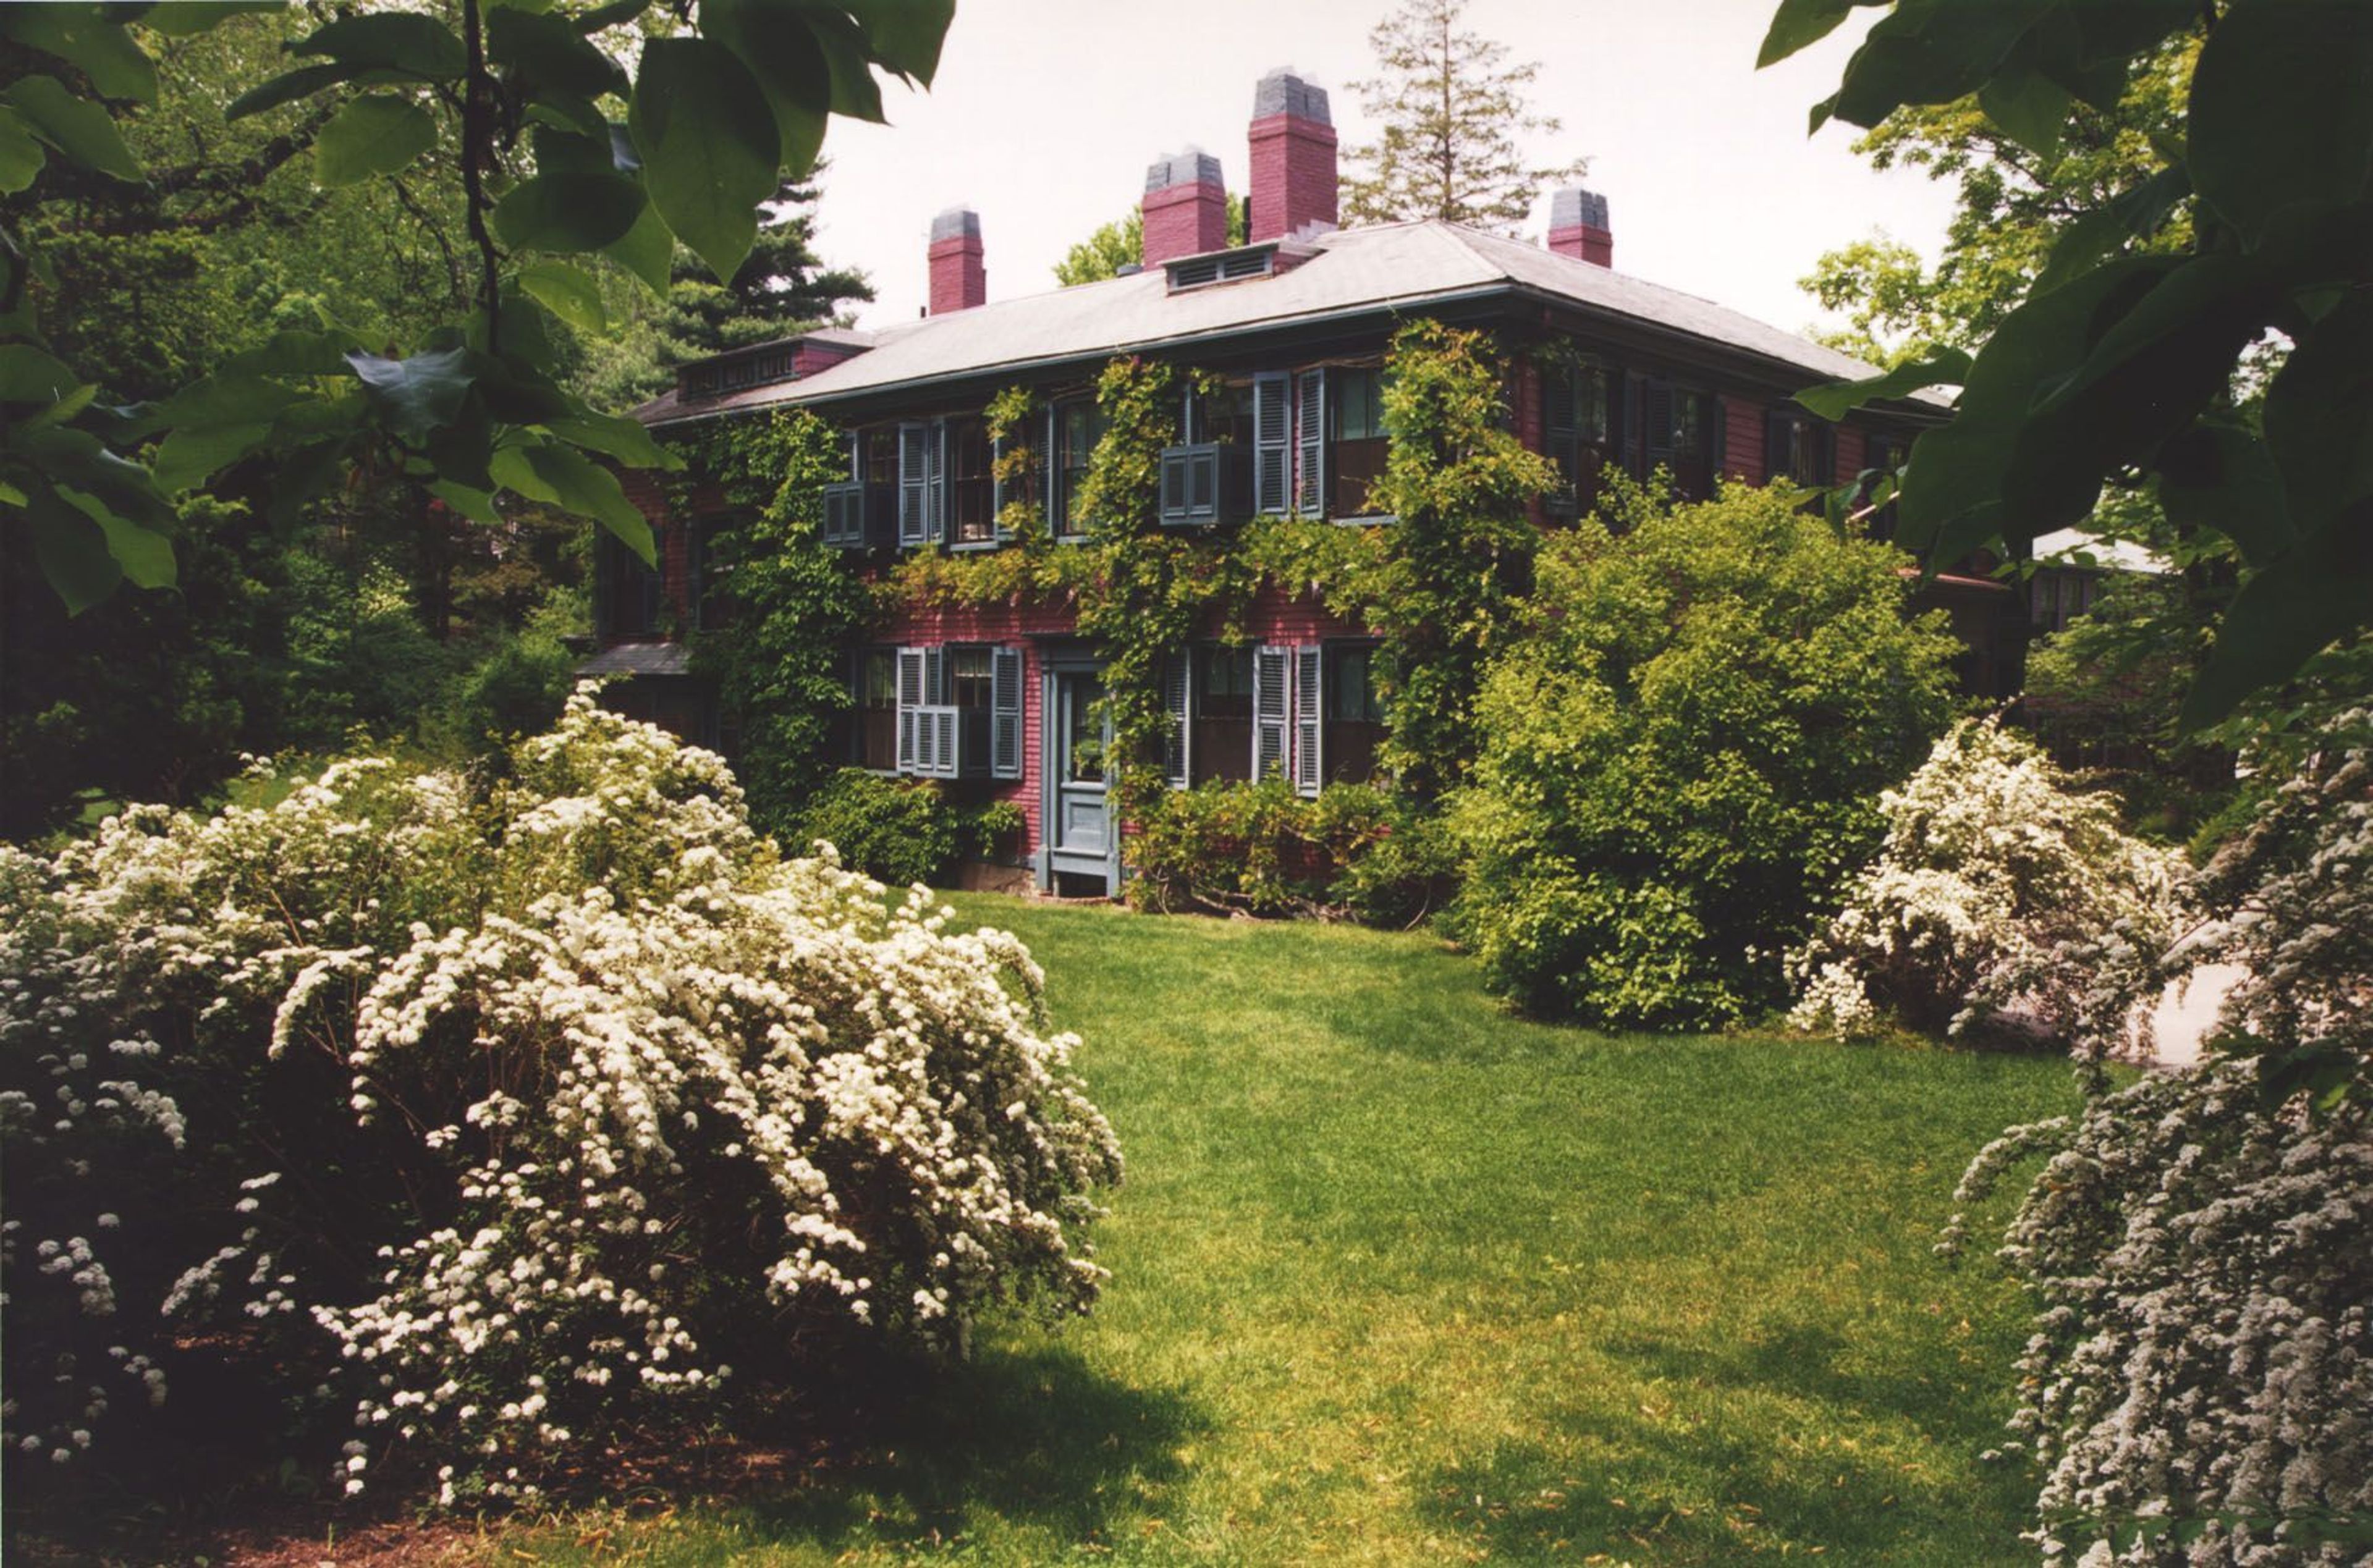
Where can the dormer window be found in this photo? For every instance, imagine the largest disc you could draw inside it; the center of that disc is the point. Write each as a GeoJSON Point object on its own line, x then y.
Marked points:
{"type": "Point", "coordinates": [1222, 266]}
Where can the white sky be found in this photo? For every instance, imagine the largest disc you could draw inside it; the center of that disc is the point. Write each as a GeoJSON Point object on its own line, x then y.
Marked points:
{"type": "Point", "coordinates": [1045, 113]}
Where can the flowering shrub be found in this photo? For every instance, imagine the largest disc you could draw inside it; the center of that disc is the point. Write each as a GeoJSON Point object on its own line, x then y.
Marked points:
{"type": "Point", "coordinates": [501, 1118]}
{"type": "Point", "coordinates": [2200, 1384]}
{"type": "Point", "coordinates": [1990, 866]}
{"type": "Point", "coordinates": [1263, 849]}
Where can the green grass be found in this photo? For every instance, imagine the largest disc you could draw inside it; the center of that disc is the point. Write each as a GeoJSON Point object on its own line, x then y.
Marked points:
{"type": "Point", "coordinates": [1400, 1279]}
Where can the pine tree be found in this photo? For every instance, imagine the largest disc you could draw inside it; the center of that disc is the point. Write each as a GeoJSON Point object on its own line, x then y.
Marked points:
{"type": "Point", "coordinates": [1451, 112]}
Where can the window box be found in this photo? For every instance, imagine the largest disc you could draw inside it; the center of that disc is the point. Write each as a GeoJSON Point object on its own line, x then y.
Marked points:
{"type": "Point", "coordinates": [1205, 484]}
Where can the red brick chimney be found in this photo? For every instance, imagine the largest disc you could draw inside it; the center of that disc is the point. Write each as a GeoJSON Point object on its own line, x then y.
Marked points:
{"type": "Point", "coordinates": [1294, 157]}
{"type": "Point", "coordinates": [1185, 207]}
{"type": "Point", "coordinates": [959, 280]}
{"type": "Point", "coordinates": [1578, 226]}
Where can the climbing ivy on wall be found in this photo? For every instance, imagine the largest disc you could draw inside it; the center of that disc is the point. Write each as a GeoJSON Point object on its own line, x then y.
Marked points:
{"type": "Point", "coordinates": [780, 665]}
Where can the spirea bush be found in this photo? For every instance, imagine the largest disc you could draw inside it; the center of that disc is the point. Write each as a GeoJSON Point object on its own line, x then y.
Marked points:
{"type": "Point", "coordinates": [2199, 1245]}
{"type": "Point", "coordinates": [1990, 868]}
{"type": "Point", "coordinates": [488, 1121]}
{"type": "Point", "coordinates": [1683, 747]}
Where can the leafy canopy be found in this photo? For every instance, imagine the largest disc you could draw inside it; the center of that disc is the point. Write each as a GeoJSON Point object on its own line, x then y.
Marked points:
{"type": "Point", "coordinates": [2116, 363]}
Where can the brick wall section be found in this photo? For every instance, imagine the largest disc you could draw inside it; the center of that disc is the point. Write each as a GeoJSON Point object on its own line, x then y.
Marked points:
{"type": "Point", "coordinates": [807, 358]}
{"type": "Point", "coordinates": [1850, 451]}
{"type": "Point", "coordinates": [1742, 436]}
{"type": "Point", "coordinates": [1187, 219]}
{"type": "Point", "coordinates": [1293, 176]}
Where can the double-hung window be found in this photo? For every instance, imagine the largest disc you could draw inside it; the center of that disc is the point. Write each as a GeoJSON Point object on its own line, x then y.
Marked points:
{"type": "Point", "coordinates": [1076, 425]}
{"type": "Point", "coordinates": [1796, 447]}
{"type": "Point", "coordinates": [959, 711]}
{"type": "Point", "coordinates": [970, 488]}
{"type": "Point", "coordinates": [1679, 430]}
{"type": "Point", "coordinates": [1305, 712]}
{"type": "Point", "coordinates": [1578, 429]}
{"type": "Point", "coordinates": [626, 594]}
{"type": "Point", "coordinates": [1360, 447]}
{"type": "Point", "coordinates": [869, 734]}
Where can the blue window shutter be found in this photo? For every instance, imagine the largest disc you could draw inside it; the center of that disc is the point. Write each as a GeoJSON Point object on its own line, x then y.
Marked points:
{"type": "Point", "coordinates": [1002, 489]}
{"type": "Point", "coordinates": [1177, 764]}
{"type": "Point", "coordinates": [1005, 713]}
{"type": "Point", "coordinates": [913, 484]}
{"type": "Point", "coordinates": [910, 701]}
{"type": "Point", "coordinates": [1309, 711]}
{"type": "Point", "coordinates": [1272, 710]}
{"type": "Point", "coordinates": [856, 456]}
{"type": "Point", "coordinates": [1310, 422]}
{"type": "Point", "coordinates": [1271, 441]}
{"type": "Point", "coordinates": [1656, 422]}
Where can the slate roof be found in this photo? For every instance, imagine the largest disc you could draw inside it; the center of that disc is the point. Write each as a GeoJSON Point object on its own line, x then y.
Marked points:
{"type": "Point", "coordinates": [1353, 271]}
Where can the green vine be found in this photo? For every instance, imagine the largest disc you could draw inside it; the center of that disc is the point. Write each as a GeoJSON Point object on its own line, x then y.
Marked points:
{"type": "Point", "coordinates": [779, 666]}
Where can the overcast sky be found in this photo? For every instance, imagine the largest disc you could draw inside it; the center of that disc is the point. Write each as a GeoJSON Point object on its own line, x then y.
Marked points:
{"type": "Point", "coordinates": [1045, 113]}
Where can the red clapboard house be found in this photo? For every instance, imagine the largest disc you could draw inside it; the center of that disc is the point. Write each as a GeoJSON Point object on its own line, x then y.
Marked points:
{"type": "Point", "coordinates": [1296, 322]}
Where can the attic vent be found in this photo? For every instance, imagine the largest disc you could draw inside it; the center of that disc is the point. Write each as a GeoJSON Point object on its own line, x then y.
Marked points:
{"type": "Point", "coordinates": [1226, 266]}
{"type": "Point", "coordinates": [713, 378]}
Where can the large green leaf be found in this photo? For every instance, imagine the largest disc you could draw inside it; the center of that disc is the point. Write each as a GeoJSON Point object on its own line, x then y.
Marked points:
{"type": "Point", "coordinates": [2136, 214]}
{"type": "Point", "coordinates": [71, 550]}
{"type": "Point", "coordinates": [548, 52]}
{"type": "Point", "coordinates": [74, 126]}
{"type": "Point", "coordinates": [228, 397]}
{"type": "Point", "coordinates": [144, 554]}
{"type": "Point", "coordinates": [407, 42]}
{"type": "Point", "coordinates": [417, 395]}
{"type": "Point", "coordinates": [563, 477]}
{"type": "Point", "coordinates": [2029, 108]}
{"type": "Point", "coordinates": [776, 39]}
{"type": "Point", "coordinates": [611, 15]}
{"type": "Point", "coordinates": [2320, 417]}
{"type": "Point", "coordinates": [2218, 476]}
{"type": "Point", "coordinates": [855, 93]}
{"type": "Point", "coordinates": [69, 456]}
{"type": "Point", "coordinates": [710, 148]}
{"type": "Point", "coordinates": [287, 87]}
{"type": "Point", "coordinates": [1930, 52]}
{"type": "Point", "coordinates": [29, 376]}
{"type": "Point", "coordinates": [1940, 367]}
{"type": "Point", "coordinates": [2282, 110]}
{"type": "Point", "coordinates": [567, 293]}
{"type": "Point", "coordinates": [478, 506]}
{"type": "Point", "coordinates": [2284, 616]}
{"type": "Point", "coordinates": [568, 211]}
{"type": "Point", "coordinates": [189, 457]}
{"type": "Point", "coordinates": [906, 34]}
{"type": "Point", "coordinates": [378, 133]}
{"type": "Point", "coordinates": [614, 435]}
{"type": "Point", "coordinates": [20, 153]}
{"type": "Point", "coordinates": [1798, 23]}
{"type": "Point", "coordinates": [647, 250]}
{"type": "Point", "coordinates": [85, 38]}
{"type": "Point", "coordinates": [294, 352]}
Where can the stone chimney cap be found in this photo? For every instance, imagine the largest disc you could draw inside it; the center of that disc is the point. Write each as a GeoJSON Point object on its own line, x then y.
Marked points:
{"type": "Point", "coordinates": [1283, 92]}
{"type": "Point", "coordinates": [957, 223]}
{"type": "Point", "coordinates": [1183, 169]}
{"type": "Point", "coordinates": [1574, 207]}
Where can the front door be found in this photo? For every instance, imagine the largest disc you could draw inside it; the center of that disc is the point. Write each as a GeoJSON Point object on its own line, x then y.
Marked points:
{"type": "Point", "coordinates": [1081, 843]}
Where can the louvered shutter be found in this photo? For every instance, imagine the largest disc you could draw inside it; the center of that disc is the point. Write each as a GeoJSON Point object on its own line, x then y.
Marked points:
{"type": "Point", "coordinates": [1717, 424]}
{"type": "Point", "coordinates": [935, 502]}
{"type": "Point", "coordinates": [1270, 717]}
{"type": "Point", "coordinates": [910, 703]}
{"type": "Point", "coordinates": [913, 484]}
{"type": "Point", "coordinates": [1177, 764]}
{"type": "Point", "coordinates": [1310, 444]}
{"type": "Point", "coordinates": [1005, 713]}
{"type": "Point", "coordinates": [1560, 425]}
{"type": "Point", "coordinates": [1656, 424]}
{"type": "Point", "coordinates": [1309, 715]}
{"type": "Point", "coordinates": [1272, 457]}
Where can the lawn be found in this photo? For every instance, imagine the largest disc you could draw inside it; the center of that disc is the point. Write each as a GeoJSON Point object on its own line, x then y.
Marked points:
{"type": "Point", "coordinates": [1400, 1279]}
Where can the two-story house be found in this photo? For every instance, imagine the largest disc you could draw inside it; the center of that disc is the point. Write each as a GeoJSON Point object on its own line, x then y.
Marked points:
{"type": "Point", "coordinates": [1290, 330]}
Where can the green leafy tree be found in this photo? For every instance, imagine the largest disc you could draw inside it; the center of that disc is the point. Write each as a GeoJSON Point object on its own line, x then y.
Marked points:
{"type": "Point", "coordinates": [559, 150]}
{"type": "Point", "coordinates": [1454, 115]}
{"type": "Point", "coordinates": [1121, 243]}
{"type": "Point", "coordinates": [2118, 359]}
{"type": "Point", "coordinates": [1682, 744]}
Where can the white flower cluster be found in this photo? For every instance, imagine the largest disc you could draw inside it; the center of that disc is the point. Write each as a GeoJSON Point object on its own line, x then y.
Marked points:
{"type": "Point", "coordinates": [2199, 1388]}
{"type": "Point", "coordinates": [1992, 877]}
{"type": "Point", "coordinates": [628, 1107]}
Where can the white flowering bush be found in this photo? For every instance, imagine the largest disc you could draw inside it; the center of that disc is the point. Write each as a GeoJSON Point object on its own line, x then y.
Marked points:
{"type": "Point", "coordinates": [496, 1116]}
{"type": "Point", "coordinates": [2199, 1387]}
{"type": "Point", "coordinates": [1991, 871]}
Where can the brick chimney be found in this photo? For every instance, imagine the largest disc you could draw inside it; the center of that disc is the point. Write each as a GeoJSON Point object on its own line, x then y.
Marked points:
{"type": "Point", "coordinates": [1294, 157]}
{"type": "Point", "coordinates": [1578, 226]}
{"type": "Point", "coordinates": [959, 280]}
{"type": "Point", "coordinates": [1185, 207]}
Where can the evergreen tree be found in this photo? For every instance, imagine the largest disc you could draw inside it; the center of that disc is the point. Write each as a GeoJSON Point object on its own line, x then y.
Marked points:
{"type": "Point", "coordinates": [1452, 113]}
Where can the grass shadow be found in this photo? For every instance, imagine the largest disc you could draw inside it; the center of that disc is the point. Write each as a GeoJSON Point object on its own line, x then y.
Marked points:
{"type": "Point", "coordinates": [1036, 1437]}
